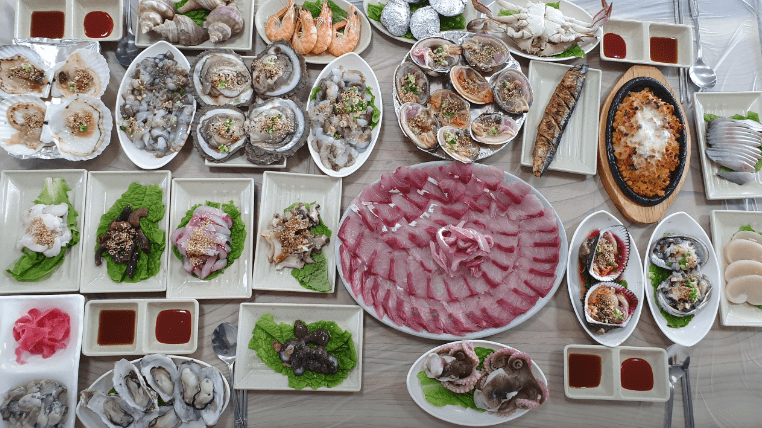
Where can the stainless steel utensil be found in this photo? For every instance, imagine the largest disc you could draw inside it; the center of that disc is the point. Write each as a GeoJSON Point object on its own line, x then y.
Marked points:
{"type": "Point", "coordinates": [701, 74]}
{"type": "Point", "coordinates": [126, 51]}
{"type": "Point", "coordinates": [675, 373]}
{"type": "Point", "coordinates": [687, 398]}
{"type": "Point", "coordinates": [224, 342]}
{"type": "Point", "coordinates": [682, 82]}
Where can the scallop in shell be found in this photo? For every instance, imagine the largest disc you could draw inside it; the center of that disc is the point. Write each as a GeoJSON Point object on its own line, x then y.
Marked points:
{"type": "Point", "coordinates": [411, 84]}
{"type": "Point", "coordinates": [485, 52]}
{"type": "Point", "coordinates": [21, 120]}
{"type": "Point", "coordinates": [420, 124]}
{"type": "Point", "coordinates": [277, 128]}
{"type": "Point", "coordinates": [512, 91]}
{"type": "Point", "coordinates": [219, 132]}
{"type": "Point", "coordinates": [435, 55]}
{"type": "Point", "coordinates": [159, 372]}
{"type": "Point", "coordinates": [220, 77]}
{"type": "Point", "coordinates": [609, 254]}
{"type": "Point", "coordinates": [684, 293]}
{"type": "Point", "coordinates": [679, 252]}
{"type": "Point", "coordinates": [84, 72]}
{"type": "Point", "coordinates": [278, 71]}
{"type": "Point", "coordinates": [450, 108]}
{"type": "Point", "coordinates": [493, 128]}
{"type": "Point", "coordinates": [471, 85]}
{"type": "Point", "coordinates": [458, 144]}
{"type": "Point", "coordinates": [130, 385]}
{"type": "Point", "coordinates": [22, 72]}
{"type": "Point", "coordinates": [608, 305]}
{"type": "Point", "coordinates": [80, 127]}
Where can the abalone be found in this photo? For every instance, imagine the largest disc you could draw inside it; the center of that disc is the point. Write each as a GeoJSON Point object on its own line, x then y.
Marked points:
{"type": "Point", "coordinates": [277, 128]}
{"type": "Point", "coordinates": [220, 77]}
{"type": "Point", "coordinates": [219, 132]}
{"type": "Point", "coordinates": [684, 293]}
{"type": "Point", "coordinates": [679, 252]}
{"type": "Point", "coordinates": [278, 71]}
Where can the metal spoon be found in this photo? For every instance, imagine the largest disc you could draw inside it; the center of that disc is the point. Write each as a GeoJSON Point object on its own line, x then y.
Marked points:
{"type": "Point", "coordinates": [224, 342]}
{"type": "Point", "coordinates": [675, 373]}
{"type": "Point", "coordinates": [126, 51]}
{"type": "Point", "coordinates": [701, 74]}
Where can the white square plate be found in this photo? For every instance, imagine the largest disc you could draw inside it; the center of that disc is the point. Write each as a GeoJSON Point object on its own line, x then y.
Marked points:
{"type": "Point", "coordinates": [18, 190]}
{"type": "Point", "coordinates": [578, 149]}
{"type": "Point", "coordinates": [724, 225]}
{"type": "Point", "coordinates": [252, 373]}
{"type": "Point", "coordinates": [235, 282]}
{"type": "Point", "coordinates": [724, 104]}
{"type": "Point", "coordinates": [103, 190]}
{"type": "Point", "coordinates": [62, 367]}
{"type": "Point", "coordinates": [280, 190]}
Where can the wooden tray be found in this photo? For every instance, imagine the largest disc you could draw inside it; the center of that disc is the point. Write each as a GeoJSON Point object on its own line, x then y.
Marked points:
{"type": "Point", "coordinates": [631, 210]}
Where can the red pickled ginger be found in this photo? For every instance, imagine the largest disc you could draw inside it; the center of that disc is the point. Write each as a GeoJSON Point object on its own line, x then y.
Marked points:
{"type": "Point", "coordinates": [41, 333]}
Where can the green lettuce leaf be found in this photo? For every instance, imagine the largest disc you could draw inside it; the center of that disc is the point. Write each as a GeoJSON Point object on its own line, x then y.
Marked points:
{"type": "Point", "coordinates": [315, 6]}
{"type": "Point", "coordinates": [267, 330]}
{"type": "Point", "coordinates": [574, 51]}
{"type": "Point", "coordinates": [198, 15]}
{"type": "Point", "coordinates": [237, 233]}
{"type": "Point", "coordinates": [138, 196]}
{"type": "Point", "coordinates": [657, 275]}
{"type": "Point", "coordinates": [376, 118]}
{"type": "Point", "coordinates": [374, 11]}
{"type": "Point", "coordinates": [505, 12]}
{"type": "Point", "coordinates": [440, 396]}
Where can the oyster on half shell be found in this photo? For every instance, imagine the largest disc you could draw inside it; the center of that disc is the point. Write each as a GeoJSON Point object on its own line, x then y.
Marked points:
{"type": "Point", "coordinates": [80, 127]}
{"type": "Point", "coordinates": [276, 128]}
{"type": "Point", "coordinates": [493, 128]}
{"type": "Point", "coordinates": [22, 72]}
{"type": "Point", "coordinates": [219, 132]}
{"type": "Point", "coordinates": [84, 72]}
{"type": "Point", "coordinates": [130, 385]}
{"type": "Point", "coordinates": [159, 372]}
{"type": "Point", "coordinates": [113, 410]}
{"type": "Point", "coordinates": [21, 120]}
{"type": "Point", "coordinates": [220, 77]}
{"type": "Point", "coordinates": [420, 125]}
{"type": "Point", "coordinates": [278, 71]}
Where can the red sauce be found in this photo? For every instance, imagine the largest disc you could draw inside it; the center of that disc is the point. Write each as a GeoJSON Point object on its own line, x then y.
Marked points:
{"type": "Point", "coordinates": [173, 326]}
{"type": "Point", "coordinates": [584, 370]}
{"type": "Point", "coordinates": [664, 49]}
{"type": "Point", "coordinates": [614, 46]}
{"type": "Point", "coordinates": [47, 23]}
{"type": "Point", "coordinates": [637, 375]}
{"type": "Point", "coordinates": [98, 25]}
{"type": "Point", "coordinates": [116, 327]}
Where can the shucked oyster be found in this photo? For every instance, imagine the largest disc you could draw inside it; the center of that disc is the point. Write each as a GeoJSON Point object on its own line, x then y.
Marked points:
{"type": "Point", "coordinates": [159, 372]}
{"type": "Point", "coordinates": [435, 55]}
{"type": "Point", "coordinates": [199, 393]}
{"type": "Point", "coordinates": [278, 71]}
{"type": "Point", "coordinates": [219, 132]}
{"type": "Point", "coordinates": [220, 77]}
{"type": "Point", "coordinates": [458, 144]}
{"type": "Point", "coordinates": [512, 91]}
{"type": "Point", "coordinates": [80, 127]}
{"type": "Point", "coordinates": [34, 403]}
{"type": "Point", "coordinates": [130, 385]}
{"type": "Point", "coordinates": [484, 52]}
{"type": "Point", "coordinates": [277, 128]}
{"type": "Point", "coordinates": [450, 108]}
{"type": "Point", "coordinates": [411, 83]}
{"type": "Point", "coordinates": [420, 125]}
{"type": "Point", "coordinates": [471, 85]}
{"type": "Point", "coordinates": [21, 72]}
{"type": "Point", "coordinates": [493, 128]}
{"type": "Point", "coordinates": [21, 119]}
{"type": "Point", "coordinates": [84, 72]}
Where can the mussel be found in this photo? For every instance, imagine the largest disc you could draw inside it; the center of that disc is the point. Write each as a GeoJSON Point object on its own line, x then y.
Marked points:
{"type": "Point", "coordinates": [450, 108]}
{"type": "Point", "coordinates": [435, 55]}
{"type": "Point", "coordinates": [493, 128]}
{"type": "Point", "coordinates": [679, 252]}
{"type": "Point", "coordinates": [684, 293]}
{"type": "Point", "coordinates": [485, 52]}
{"type": "Point", "coordinates": [512, 91]}
{"type": "Point", "coordinates": [420, 125]}
{"type": "Point", "coordinates": [471, 85]}
{"type": "Point", "coordinates": [458, 144]}
{"type": "Point", "coordinates": [608, 305]}
{"type": "Point", "coordinates": [411, 84]}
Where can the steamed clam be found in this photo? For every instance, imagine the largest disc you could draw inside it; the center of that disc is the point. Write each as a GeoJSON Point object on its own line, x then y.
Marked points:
{"type": "Point", "coordinates": [684, 293]}
{"type": "Point", "coordinates": [435, 55]}
{"type": "Point", "coordinates": [411, 84]}
{"type": "Point", "coordinates": [450, 108]}
{"type": "Point", "coordinates": [679, 252]}
{"type": "Point", "coordinates": [608, 305]}
{"type": "Point", "coordinates": [512, 91]}
{"type": "Point", "coordinates": [493, 128]}
{"type": "Point", "coordinates": [276, 129]}
{"type": "Point", "coordinates": [220, 77]}
{"type": "Point", "coordinates": [420, 125]}
{"type": "Point", "coordinates": [84, 72]}
{"type": "Point", "coordinates": [485, 52]}
{"type": "Point", "coordinates": [219, 132]}
{"type": "Point", "coordinates": [471, 85]}
{"type": "Point", "coordinates": [80, 127]}
{"type": "Point", "coordinates": [278, 71]}
{"type": "Point", "coordinates": [458, 144]}
{"type": "Point", "coordinates": [22, 72]}
{"type": "Point", "coordinates": [21, 120]}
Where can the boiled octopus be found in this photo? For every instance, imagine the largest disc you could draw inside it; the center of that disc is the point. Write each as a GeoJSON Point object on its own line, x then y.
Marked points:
{"type": "Point", "coordinates": [454, 364]}
{"type": "Point", "coordinates": [123, 238]}
{"type": "Point", "coordinates": [297, 354]}
{"type": "Point", "coordinates": [507, 384]}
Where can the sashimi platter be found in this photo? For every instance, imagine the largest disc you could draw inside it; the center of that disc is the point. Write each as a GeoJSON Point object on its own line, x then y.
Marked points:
{"type": "Point", "coordinates": [341, 213]}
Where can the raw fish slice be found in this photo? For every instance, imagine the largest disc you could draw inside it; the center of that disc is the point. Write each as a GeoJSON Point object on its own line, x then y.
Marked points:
{"type": "Point", "coordinates": [214, 214]}
{"type": "Point", "coordinates": [423, 256]}
{"type": "Point", "coordinates": [416, 177]}
{"type": "Point", "coordinates": [738, 177]}
{"type": "Point", "coordinates": [418, 198]}
{"type": "Point", "coordinates": [753, 152]}
{"type": "Point", "coordinates": [456, 210]}
{"type": "Point", "coordinates": [540, 254]}
{"type": "Point", "coordinates": [720, 139]}
{"type": "Point", "coordinates": [503, 259]}
{"type": "Point", "coordinates": [492, 273]}
{"type": "Point", "coordinates": [546, 223]}
{"type": "Point", "coordinates": [366, 214]}
{"type": "Point", "coordinates": [410, 211]}
{"type": "Point", "coordinates": [492, 312]}
{"type": "Point", "coordinates": [477, 285]}
{"type": "Point", "coordinates": [529, 207]}
{"type": "Point", "coordinates": [350, 229]}
{"type": "Point", "coordinates": [433, 192]}
{"type": "Point", "coordinates": [436, 290]}
{"type": "Point", "coordinates": [736, 162]}
{"type": "Point", "coordinates": [374, 193]}
{"type": "Point", "coordinates": [479, 202]}
{"type": "Point", "coordinates": [454, 190]}
{"type": "Point", "coordinates": [461, 171]}
{"type": "Point", "coordinates": [491, 176]}
{"type": "Point", "coordinates": [417, 278]}
{"type": "Point", "coordinates": [392, 181]}
{"type": "Point", "coordinates": [455, 321]}
{"type": "Point", "coordinates": [505, 242]}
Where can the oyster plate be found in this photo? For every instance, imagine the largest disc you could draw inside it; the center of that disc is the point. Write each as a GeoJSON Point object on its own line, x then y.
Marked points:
{"type": "Point", "coordinates": [435, 83]}
{"type": "Point", "coordinates": [461, 415]}
{"type": "Point", "coordinates": [560, 270]}
{"type": "Point", "coordinates": [568, 9]}
{"type": "Point", "coordinates": [691, 334]}
{"type": "Point", "coordinates": [141, 158]}
{"type": "Point", "coordinates": [350, 61]}
{"type": "Point", "coordinates": [89, 419]}
{"type": "Point", "coordinates": [468, 14]}
{"type": "Point", "coordinates": [270, 7]}
{"type": "Point", "coordinates": [578, 149]}
{"type": "Point", "coordinates": [253, 374]}
{"type": "Point", "coordinates": [280, 190]}
{"type": "Point", "coordinates": [18, 190]}
{"type": "Point", "coordinates": [62, 367]}
{"type": "Point", "coordinates": [632, 274]}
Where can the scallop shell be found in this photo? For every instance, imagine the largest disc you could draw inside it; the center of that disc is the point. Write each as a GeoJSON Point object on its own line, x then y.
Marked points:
{"type": "Point", "coordinates": [485, 52]}
{"type": "Point", "coordinates": [402, 75]}
{"type": "Point", "coordinates": [622, 237]}
{"type": "Point", "coordinates": [461, 74]}
{"type": "Point", "coordinates": [211, 75]}
{"type": "Point", "coordinates": [516, 101]}
{"type": "Point", "coordinates": [424, 139]}
{"type": "Point", "coordinates": [493, 128]}
{"type": "Point", "coordinates": [73, 146]}
{"type": "Point", "coordinates": [458, 144]}
{"type": "Point", "coordinates": [423, 51]}
{"type": "Point", "coordinates": [10, 51]}
{"type": "Point", "coordinates": [461, 117]}
{"type": "Point", "coordinates": [660, 257]}
{"type": "Point", "coordinates": [294, 71]}
{"type": "Point", "coordinates": [234, 121]}
{"type": "Point", "coordinates": [673, 306]}
{"type": "Point", "coordinates": [93, 63]}
{"type": "Point", "coordinates": [8, 133]}
{"type": "Point", "coordinates": [622, 294]}
{"type": "Point", "coordinates": [259, 150]}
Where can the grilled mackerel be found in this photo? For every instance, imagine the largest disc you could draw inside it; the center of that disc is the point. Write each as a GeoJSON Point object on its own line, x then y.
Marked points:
{"type": "Point", "coordinates": [556, 117]}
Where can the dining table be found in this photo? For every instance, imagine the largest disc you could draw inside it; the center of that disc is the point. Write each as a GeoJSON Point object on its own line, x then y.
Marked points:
{"type": "Point", "coordinates": [726, 365]}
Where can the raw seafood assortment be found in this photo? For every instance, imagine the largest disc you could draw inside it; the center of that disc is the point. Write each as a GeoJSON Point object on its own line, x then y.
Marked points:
{"type": "Point", "coordinates": [41, 333]}
{"type": "Point", "coordinates": [686, 290]}
{"type": "Point", "coordinates": [297, 353]}
{"type": "Point", "coordinates": [289, 238]}
{"type": "Point", "coordinates": [393, 229]}
{"type": "Point", "coordinates": [743, 272]}
{"type": "Point", "coordinates": [124, 241]}
{"type": "Point", "coordinates": [39, 403]}
{"type": "Point", "coordinates": [205, 241]}
{"type": "Point", "coordinates": [222, 19]}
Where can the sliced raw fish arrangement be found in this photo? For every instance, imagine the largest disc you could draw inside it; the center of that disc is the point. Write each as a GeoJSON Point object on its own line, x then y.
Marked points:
{"type": "Point", "coordinates": [205, 241]}
{"type": "Point", "coordinates": [450, 248]}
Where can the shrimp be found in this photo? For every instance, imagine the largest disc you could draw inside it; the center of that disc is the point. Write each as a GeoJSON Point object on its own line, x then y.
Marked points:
{"type": "Point", "coordinates": [282, 24]}
{"type": "Point", "coordinates": [324, 24]}
{"type": "Point", "coordinates": [305, 35]}
{"type": "Point", "coordinates": [346, 41]}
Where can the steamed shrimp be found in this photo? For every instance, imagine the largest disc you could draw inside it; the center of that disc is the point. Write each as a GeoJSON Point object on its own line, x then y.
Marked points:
{"type": "Point", "coordinates": [324, 26]}
{"type": "Point", "coordinates": [282, 24]}
{"type": "Point", "coordinates": [346, 41]}
{"type": "Point", "coordinates": [305, 35]}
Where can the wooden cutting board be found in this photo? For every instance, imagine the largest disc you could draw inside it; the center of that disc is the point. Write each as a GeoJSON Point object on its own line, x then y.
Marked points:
{"type": "Point", "coordinates": [631, 210]}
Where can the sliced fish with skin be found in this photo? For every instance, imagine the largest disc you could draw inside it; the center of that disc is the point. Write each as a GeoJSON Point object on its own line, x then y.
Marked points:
{"type": "Point", "coordinates": [749, 151]}
{"type": "Point", "coordinates": [738, 177]}
{"type": "Point", "coordinates": [736, 162]}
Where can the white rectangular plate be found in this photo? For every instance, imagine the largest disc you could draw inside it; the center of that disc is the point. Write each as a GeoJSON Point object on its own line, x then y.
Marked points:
{"type": "Point", "coordinates": [280, 190]}
{"type": "Point", "coordinates": [62, 367]}
{"type": "Point", "coordinates": [235, 282]}
{"type": "Point", "coordinates": [724, 104]}
{"type": "Point", "coordinates": [18, 190]}
{"type": "Point", "coordinates": [578, 149]}
{"type": "Point", "coordinates": [103, 190]}
{"type": "Point", "coordinates": [252, 373]}
{"type": "Point", "coordinates": [724, 225]}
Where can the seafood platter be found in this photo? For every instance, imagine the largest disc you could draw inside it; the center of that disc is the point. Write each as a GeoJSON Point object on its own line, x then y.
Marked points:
{"type": "Point", "coordinates": [407, 21]}
{"type": "Point", "coordinates": [481, 114]}
{"type": "Point", "coordinates": [69, 19]}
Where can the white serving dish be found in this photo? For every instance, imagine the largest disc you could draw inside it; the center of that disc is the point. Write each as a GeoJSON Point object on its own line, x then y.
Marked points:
{"type": "Point", "coordinates": [567, 8]}
{"type": "Point", "coordinates": [702, 321]}
{"type": "Point", "coordinates": [235, 283]}
{"type": "Point", "coordinates": [103, 190]}
{"type": "Point", "coordinates": [724, 104]}
{"type": "Point", "coordinates": [146, 311]}
{"type": "Point", "coordinates": [143, 158]}
{"type": "Point", "coordinates": [243, 41]}
{"type": "Point", "coordinates": [461, 415]}
{"type": "Point", "coordinates": [637, 37]}
{"type": "Point", "coordinates": [578, 149]}
{"type": "Point", "coordinates": [63, 366]}
{"type": "Point", "coordinates": [724, 225]}
{"type": "Point", "coordinates": [105, 383]}
{"type": "Point", "coordinates": [74, 19]}
{"type": "Point", "coordinates": [468, 14]}
{"type": "Point", "coordinates": [270, 7]}
{"type": "Point", "coordinates": [252, 373]}
{"type": "Point", "coordinates": [18, 190]}
{"type": "Point", "coordinates": [280, 190]}
{"type": "Point", "coordinates": [350, 61]}
{"type": "Point", "coordinates": [610, 387]}
{"type": "Point", "coordinates": [633, 275]}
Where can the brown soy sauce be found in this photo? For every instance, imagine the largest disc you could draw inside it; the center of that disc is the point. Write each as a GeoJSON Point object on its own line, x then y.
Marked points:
{"type": "Point", "coordinates": [116, 327]}
{"type": "Point", "coordinates": [584, 370]}
{"type": "Point", "coordinates": [47, 23]}
{"type": "Point", "coordinates": [637, 375]}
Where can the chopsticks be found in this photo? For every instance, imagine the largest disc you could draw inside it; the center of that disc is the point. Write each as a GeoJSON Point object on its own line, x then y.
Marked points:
{"type": "Point", "coordinates": [682, 79]}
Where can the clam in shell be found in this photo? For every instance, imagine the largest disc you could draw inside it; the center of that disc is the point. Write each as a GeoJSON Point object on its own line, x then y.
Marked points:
{"type": "Point", "coordinates": [411, 84]}
{"type": "Point", "coordinates": [609, 254]}
{"type": "Point", "coordinates": [684, 293]}
{"type": "Point", "coordinates": [485, 52]}
{"type": "Point", "coordinates": [608, 305]}
{"type": "Point", "coordinates": [80, 127]}
{"type": "Point", "coordinates": [679, 252]}
{"type": "Point", "coordinates": [435, 55]}
{"type": "Point", "coordinates": [471, 85]}
{"type": "Point", "coordinates": [21, 121]}
{"type": "Point", "coordinates": [219, 132]}
{"type": "Point", "coordinates": [276, 128]}
{"type": "Point", "coordinates": [493, 128]}
{"type": "Point", "coordinates": [512, 91]}
{"type": "Point", "coordinates": [84, 72]}
{"type": "Point", "coordinates": [420, 125]}
{"type": "Point", "coordinates": [458, 144]}
{"type": "Point", "coordinates": [220, 77]}
{"type": "Point", "coordinates": [278, 71]}
{"type": "Point", "coordinates": [450, 108]}
{"type": "Point", "coordinates": [22, 72]}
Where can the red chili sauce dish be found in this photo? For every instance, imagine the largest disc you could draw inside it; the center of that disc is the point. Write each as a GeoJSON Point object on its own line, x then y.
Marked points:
{"type": "Point", "coordinates": [637, 375]}
{"type": "Point", "coordinates": [614, 46]}
{"type": "Point", "coordinates": [174, 326]}
{"type": "Point", "coordinates": [116, 327]}
{"type": "Point", "coordinates": [584, 370]}
{"type": "Point", "coordinates": [47, 23]}
{"type": "Point", "coordinates": [664, 49]}
{"type": "Point", "coordinates": [98, 25]}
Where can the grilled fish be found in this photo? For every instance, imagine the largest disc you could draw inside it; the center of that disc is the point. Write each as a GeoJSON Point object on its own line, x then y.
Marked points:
{"type": "Point", "coordinates": [556, 117]}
